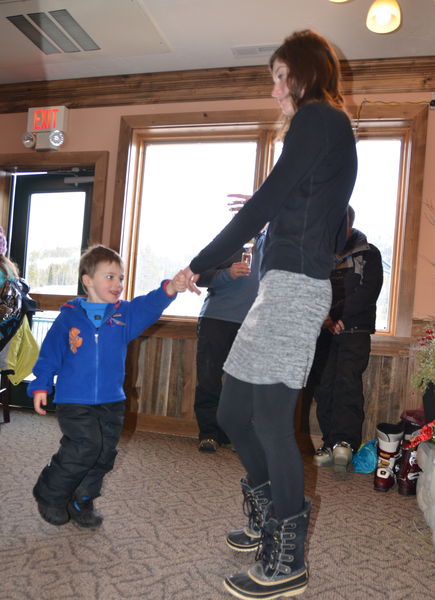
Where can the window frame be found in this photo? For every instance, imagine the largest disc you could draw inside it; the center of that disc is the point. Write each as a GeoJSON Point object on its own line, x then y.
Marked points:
{"type": "Point", "coordinates": [140, 141]}
{"type": "Point", "coordinates": [407, 120]}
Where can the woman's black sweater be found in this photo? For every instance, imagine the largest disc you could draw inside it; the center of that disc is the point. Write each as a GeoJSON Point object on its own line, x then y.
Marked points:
{"type": "Point", "coordinates": [304, 199]}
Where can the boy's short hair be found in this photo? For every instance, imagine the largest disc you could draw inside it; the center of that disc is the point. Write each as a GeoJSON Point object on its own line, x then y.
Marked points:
{"type": "Point", "coordinates": [95, 255]}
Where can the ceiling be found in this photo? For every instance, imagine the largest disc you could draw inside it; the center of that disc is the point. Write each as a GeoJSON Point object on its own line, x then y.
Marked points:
{"type": "Point", "coordinates": [145, 36]}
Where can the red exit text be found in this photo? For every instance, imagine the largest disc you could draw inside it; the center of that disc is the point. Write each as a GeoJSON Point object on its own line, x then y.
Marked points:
{"type": "Point", "coordinates": [45, 118]}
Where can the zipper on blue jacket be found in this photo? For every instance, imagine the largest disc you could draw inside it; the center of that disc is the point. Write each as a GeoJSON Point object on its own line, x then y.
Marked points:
{"type": "Point", "coordinates": [96, 334]}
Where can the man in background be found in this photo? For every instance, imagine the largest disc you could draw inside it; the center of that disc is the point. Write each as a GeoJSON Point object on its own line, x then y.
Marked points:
{"type": "Point", "coordinates": [232, 288]}
{"type": "Point", "coordinates": [343, 349]}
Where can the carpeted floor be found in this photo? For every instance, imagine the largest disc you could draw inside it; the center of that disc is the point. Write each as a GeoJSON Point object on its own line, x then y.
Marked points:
{"type": "Point", "coordinates": [167, 508]}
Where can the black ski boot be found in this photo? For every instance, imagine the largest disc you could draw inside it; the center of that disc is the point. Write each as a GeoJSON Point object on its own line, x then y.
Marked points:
{"type": "Point", "coordinates": [281, 569]}
{"type": "Point", "coordinates": [83, 513]}
{"type": "Point", "coordinates": [255, 504]}
{"type": "Point", "coordinates": [53, 514]}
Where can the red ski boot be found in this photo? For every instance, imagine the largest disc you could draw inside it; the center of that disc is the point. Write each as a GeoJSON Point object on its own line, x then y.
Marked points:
{"type": "Point", "coordinates": [409, 471]}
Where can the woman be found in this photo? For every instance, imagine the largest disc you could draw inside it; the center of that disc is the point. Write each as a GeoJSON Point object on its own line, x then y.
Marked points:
{"type": "Point", "coordinates": [304, 199]}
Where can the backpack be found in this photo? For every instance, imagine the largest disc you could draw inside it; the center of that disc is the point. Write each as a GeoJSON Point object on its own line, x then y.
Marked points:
{"type": "Point", "coordinates": [11, 308]}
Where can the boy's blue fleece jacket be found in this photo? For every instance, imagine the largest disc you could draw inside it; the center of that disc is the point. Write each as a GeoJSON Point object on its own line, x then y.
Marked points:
{"type": "Point", "coordinates": [90, 362]}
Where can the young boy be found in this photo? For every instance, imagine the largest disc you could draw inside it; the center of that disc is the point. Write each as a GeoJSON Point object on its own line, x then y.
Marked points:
{"type": "Point", "coordinates": [86, 348]}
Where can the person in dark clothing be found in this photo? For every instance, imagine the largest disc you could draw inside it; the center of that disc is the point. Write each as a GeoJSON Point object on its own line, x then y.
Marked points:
{"type": "Point", "coordinates": [343, 349]}
{"type": "Point", "coordinates": [304, 199]}
{"type": "Point", "coordinates": [232, 289]}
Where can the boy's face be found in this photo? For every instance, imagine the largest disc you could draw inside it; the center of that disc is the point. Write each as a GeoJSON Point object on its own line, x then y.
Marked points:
{"type": "Point", "coordinates": [106, 284]}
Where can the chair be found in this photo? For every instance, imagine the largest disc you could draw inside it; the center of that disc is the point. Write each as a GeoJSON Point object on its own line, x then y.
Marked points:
{"type": "Point", "coordinates": [5, 394]}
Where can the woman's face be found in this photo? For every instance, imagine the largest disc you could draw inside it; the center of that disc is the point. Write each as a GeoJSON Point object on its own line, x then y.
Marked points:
{"type": "Point", "coordinates": [280, 91]}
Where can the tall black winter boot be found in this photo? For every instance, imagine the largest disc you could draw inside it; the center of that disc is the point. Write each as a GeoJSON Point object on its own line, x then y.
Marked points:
{"type": "Point", "coordinates": [281, 569]}
{"type": "Point", "coordinates": [255, 505]}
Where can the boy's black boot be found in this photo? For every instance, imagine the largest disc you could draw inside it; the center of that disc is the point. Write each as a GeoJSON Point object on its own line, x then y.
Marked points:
{"type": "Point", "coordinates": [255, 504]}
{"type": "Point", "coordinates": [83, 513]}
{"type": "Point", "coordinates": [281, 570]}
{"type": "Point", "coordinates": [53, 514]}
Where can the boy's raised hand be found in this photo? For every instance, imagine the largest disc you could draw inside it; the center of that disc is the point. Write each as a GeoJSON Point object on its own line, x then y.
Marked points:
{"type": "Point", "coordinates": [40, 399]}
{"type": "Point", "coordinates": [177, 284]}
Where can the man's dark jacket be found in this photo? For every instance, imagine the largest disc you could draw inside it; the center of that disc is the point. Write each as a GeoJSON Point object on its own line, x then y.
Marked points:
{"type": "Point", "coordinates": [356, 283]}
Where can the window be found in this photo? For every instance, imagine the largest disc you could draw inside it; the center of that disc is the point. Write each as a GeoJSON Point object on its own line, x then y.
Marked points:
{"type": "Point", "coordinates": [190, 204]}
{"type": "Point", "coordinates": [166, 172]}
{"type": "Point", "coordinates": [50, 227]}
{"type": "Point", "coordinates": [54, 242]}
{"type": "Point", "coordinates": [375, 201]}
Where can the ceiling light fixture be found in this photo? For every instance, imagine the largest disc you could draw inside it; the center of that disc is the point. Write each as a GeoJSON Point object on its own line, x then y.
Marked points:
{"type": "Point", "coordinates": [384, 16]}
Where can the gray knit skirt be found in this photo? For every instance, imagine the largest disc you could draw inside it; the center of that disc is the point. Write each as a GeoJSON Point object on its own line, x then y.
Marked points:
{"type": "Point", "coordinates": [277, 340]}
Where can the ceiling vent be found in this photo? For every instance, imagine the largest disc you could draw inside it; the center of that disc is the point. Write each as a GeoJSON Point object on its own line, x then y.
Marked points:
{"type": "Point", "coordinates": [55, 32]}
{"type": "Point", "coordinates": [246, 51]}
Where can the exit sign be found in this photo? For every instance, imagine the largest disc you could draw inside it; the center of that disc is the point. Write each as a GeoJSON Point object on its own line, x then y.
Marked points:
{"type": "Point", "coordinates": [47, 118]}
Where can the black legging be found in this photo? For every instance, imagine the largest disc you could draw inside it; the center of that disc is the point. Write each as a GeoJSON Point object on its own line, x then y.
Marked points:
{"type": "Point", "coordinates": [258, 419]}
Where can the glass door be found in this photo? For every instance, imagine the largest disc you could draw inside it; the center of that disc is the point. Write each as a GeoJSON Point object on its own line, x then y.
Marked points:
{"type": "Point", "coordinates": [49, 228]}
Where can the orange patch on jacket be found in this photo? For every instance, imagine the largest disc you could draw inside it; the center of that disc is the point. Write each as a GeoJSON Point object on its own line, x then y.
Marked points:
{"type": "Point", "coordinates": [74, 340]}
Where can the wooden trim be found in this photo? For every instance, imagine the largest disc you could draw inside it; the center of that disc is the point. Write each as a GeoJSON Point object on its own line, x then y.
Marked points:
{"type": "Point", "coordinates": [417, 151]}
{"type": "Point", "coordinates": [173, 327]}
{"type": "Point", "coordinates": [387, 75]}
{"type": "Point", "coordinates": [382, 345]}
{"type": "Point", "coordinates": [409, 120]}
{"type": "Point", "coordinates": [50, 301]}
{"type": "Point", "coordinates": [123, 159]}
{"type": "Point", "coordinates": [5, 195]}
{"type": "Point", "coordinates": [128, 148]}
{"type": "Point", "coordinates": [168, 425]}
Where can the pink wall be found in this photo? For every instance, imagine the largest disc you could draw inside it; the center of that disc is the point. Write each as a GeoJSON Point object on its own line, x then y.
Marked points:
{"type": "Point", "coordinates": [98, 129]}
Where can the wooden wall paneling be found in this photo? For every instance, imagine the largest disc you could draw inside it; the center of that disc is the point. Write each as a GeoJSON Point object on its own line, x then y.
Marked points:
{"type": "Point", "coordinates": [371, 381]}
{"type": "Point", "coordinates": [386, 410]}
{"type": "Point", "coordinates": [151, 369]}
{"type": "Point", "coordinates": [175, 388]}
{"type": "Point", "coordinates": [164, 376]}
{"type": "Point", "coordinates": [130, 388]}
{"type": "Point", "coordinates": [395, 75]}
{"type": "Point", "coordinates": [189, 378]}
{"type": "Point", "coordinates": [162, 384]}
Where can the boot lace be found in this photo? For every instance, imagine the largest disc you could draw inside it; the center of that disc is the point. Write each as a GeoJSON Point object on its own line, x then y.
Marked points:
{"type": "Point", "coordinates": [269, 548]}
{"type": "Point", "coordinates": [253, 509]}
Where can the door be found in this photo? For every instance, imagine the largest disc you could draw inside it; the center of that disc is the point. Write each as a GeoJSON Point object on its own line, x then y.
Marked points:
{"type": "Point", "coordinates": [49, 228]}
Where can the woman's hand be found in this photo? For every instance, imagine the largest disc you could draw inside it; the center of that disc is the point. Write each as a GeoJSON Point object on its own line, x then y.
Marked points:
{"type": "Point", "coordinates": [191, 279]}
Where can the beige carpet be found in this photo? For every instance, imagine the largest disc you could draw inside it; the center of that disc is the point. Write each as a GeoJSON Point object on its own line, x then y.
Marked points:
{"type": "Point", "coordinates": [167, 508]}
